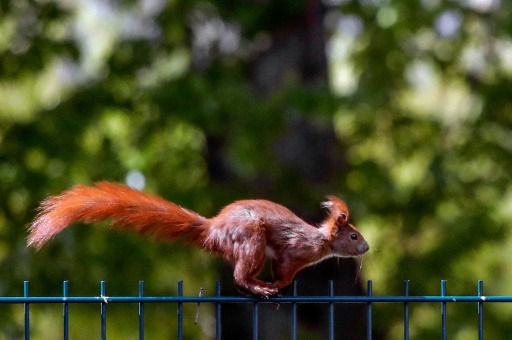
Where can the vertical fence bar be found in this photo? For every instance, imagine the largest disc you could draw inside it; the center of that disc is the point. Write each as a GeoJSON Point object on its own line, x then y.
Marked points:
{"type": "Point", "coordinates": [255, 321]}
{"type": "Point", "coordinates": [141, 311]}
{"type": "Point", "coordinates": [369, 312]}
{"type": "Point", "coordinates": [26, 311]}
{"type": "Point", "coordinates": [180, 311]}
{"type": "Point", "coordinates": [406, 311]}
{"type": "Point", "coordinates": [103, 312]}
{"type": "Point", "coordinates": [65, 310]}
{"type": "Point", "coordinates": [443, 311]}
{"type": "Point", "coordinates": [331, 311]}
{"type": "Point", "coordinates": [481, 310]}
{"type": "Point", "coordinates": [218, 305]}
{"type": "Point", "coordinates": [294, 311]}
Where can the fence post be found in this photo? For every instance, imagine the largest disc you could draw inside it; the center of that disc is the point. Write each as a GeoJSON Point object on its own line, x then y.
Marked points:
{"type": "Point", "coordinates": [180, 311]}
{"type": "Point", "coordinates": [481, 310]}
{"type": "Point", "coordinates": [443, 310]}
{"type": "Point", "coordinates": [141, 311]}
{"type": "Point", "coordinates": [406, 311]}
{"type": "Point", "coordinates": [218, 305]}
{"type": "Point", "coordinates": [294, 311]}
{"type": "Point", "coordinates": [369, 312]}
{"type": "Point", "coordinates": [255, 321]}
{"type": "Point", "coordinates": [26, 310]}
{"type": "Point", "coordinates": [103, 311]}
{"type": "Point", "coordinates": [331, 310]}
{"type": "Point", "coordinates": [65, 310]}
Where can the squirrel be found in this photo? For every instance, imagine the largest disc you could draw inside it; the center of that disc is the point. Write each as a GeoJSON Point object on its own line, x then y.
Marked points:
{"type": "Point", "coordinates": [244, 233]}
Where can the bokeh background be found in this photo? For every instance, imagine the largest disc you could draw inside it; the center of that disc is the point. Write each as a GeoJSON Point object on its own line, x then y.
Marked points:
{"type": "Point", "coordinates": [402, 108]}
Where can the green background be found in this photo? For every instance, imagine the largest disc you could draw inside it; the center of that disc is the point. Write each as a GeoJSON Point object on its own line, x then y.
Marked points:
{"type": "Point", "coordinates": [402, 108]}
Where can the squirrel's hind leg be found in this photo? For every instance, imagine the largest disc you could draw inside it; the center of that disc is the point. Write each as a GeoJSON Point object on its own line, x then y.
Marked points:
{"type": "Point", "coordinates": [247, 284]}
{"type": "Point", "coordinates": [249, 261]}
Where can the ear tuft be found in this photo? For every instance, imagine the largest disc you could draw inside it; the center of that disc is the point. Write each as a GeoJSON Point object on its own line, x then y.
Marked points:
{"type": "Point", "coordinates": [336, 206]}
{"type": "Point", "coordinates": [327, 204]}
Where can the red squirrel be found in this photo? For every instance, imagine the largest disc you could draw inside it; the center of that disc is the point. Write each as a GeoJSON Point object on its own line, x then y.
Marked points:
{"type": "Point", "coordinates": [244, 233]}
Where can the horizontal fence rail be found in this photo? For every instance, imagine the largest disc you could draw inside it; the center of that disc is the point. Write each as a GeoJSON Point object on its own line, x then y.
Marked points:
{"type": "Point", "coordinates": [218, 300]}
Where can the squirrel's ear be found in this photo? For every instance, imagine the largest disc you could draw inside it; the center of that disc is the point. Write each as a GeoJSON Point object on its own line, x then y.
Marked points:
{"type": "Point", "coordinates": [338, 210]}
{"type": "Point", "coordinates": [342, 220]}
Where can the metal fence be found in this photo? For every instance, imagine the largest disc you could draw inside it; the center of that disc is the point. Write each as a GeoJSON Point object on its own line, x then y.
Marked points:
{"type": "Point", "coordinates": [103, 300]}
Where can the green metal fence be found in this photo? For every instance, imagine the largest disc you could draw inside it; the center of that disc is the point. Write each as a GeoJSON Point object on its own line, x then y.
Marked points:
{"type": "Point", "coordinates": [103, 300]}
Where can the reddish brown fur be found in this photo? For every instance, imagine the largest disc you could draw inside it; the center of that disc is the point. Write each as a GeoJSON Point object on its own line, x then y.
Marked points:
{"type": "Point", "coordinates": [245, 233]}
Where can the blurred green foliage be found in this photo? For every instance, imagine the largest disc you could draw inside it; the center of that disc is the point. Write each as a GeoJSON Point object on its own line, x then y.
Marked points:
{"type": "Point", "coordinates": [417, 98]}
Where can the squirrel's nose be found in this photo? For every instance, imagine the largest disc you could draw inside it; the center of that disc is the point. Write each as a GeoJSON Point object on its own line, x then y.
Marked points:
{"type": "Point", "coordinates": [363, 247]}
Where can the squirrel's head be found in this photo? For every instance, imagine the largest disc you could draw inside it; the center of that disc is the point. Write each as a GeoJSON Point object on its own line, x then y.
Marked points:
{"type": "Point", "coordinates": [344, 239]}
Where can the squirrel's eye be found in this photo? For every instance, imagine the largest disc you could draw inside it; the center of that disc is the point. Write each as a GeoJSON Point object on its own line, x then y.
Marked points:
{"type": "Point", "coordinates": [353, 236]}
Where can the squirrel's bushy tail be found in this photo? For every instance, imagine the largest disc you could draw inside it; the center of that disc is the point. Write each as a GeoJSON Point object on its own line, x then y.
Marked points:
{"type": "Point", "coordinates": [128, 208]}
